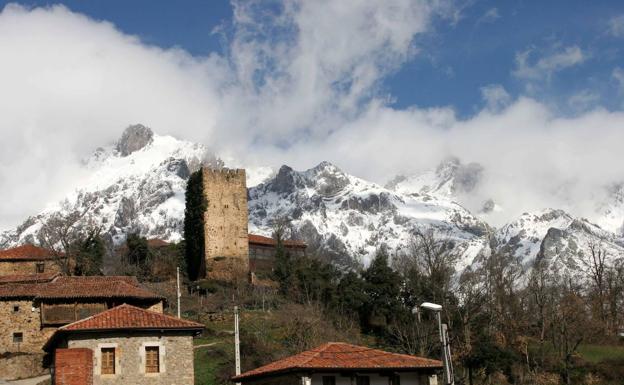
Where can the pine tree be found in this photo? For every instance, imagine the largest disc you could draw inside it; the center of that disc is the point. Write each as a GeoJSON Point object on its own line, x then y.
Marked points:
{"type": "Point", "coordinates": [196, 205]}
{"type": "Point", "coordinates": [383, 289]}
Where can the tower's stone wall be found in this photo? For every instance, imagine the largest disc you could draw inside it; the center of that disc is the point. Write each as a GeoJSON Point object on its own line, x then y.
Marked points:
{"type": "Point", "coordinates": [225, 224]}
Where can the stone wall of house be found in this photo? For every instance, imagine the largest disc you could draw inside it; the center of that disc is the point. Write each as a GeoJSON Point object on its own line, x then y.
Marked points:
{"type": "Point", "coordinates": [225, 224]}
{"type": "Point", "coordinates": [27, 267]}
{"type": "Point", "coordinates": [22, 316]}
{"type": "Point", "coordinates": [157, 307]}
{"type": "Point", "coordinates": [73, 367]}
{"type": "Point", "coordinates": [15, 366]}
{"type": "Point", "coordinates": [176, 357]}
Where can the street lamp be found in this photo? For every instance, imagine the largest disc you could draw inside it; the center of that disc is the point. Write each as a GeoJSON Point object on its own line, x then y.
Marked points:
{"type": "Point", "coordinates": [449, 377]}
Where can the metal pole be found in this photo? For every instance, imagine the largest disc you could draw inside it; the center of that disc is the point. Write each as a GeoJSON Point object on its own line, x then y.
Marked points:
{"type": "Point", "coordinates": [178, 288]}
{"type": "Point", "coordinates": [445, 356]}
{"type": "Point", "coordinates": [236, 343]}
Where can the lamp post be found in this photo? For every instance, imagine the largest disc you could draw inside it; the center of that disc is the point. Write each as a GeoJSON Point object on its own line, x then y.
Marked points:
{"type": "Point", "coordinates": [449, 377]}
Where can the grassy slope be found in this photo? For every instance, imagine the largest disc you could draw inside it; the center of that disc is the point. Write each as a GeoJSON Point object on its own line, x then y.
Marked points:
{"type": "Point", "coordinates": [600, 353]}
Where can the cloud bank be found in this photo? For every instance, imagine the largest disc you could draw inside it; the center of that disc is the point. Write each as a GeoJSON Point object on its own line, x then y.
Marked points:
{"type": "Point", "coordinates": [296, 86]}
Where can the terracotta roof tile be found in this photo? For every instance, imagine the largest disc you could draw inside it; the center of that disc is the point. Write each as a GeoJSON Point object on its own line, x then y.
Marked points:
{"type": "Point", "coordinates": [342, 356]}
{"type": "Point", "coordinates": [95, 287]}
{"type": "Point", "coordinates": [27, 278]}
{"type": "Point", "coordinates": [131, 317]}
{"type": "Point", "coordinates": [109, 287]}
{"type": "Point", "coordinates": [27, 253]}
{"type": "Point", "coordinates": [20, 290]}
{"type": "Point", "coordinates": [125, 317]}
{"type": "Point", "coordinates": [267, 241]}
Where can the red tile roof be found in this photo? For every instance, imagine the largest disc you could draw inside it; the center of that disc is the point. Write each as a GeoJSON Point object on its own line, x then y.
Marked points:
{"type": "Point", "coordinates": [157, 242]}
{"type": "Point", "coordinates": [108, 287]}
{"type": "Point", "coordinates": [125, 317]}
{"type": "Point", "coordinates": [342, 356]}
{"type": "Point", "coordinates": [266, 241]}
{"type": "Point", "coordinates": [131, 317]}
{"type": "Point", "coordinates": [28, 278]}
{"type": "Point", "coordinates": [27, 253]}
{"type": "Point", "coordinates": [20, 290]}
{"type": "Point", "coordinates": [95, 287]}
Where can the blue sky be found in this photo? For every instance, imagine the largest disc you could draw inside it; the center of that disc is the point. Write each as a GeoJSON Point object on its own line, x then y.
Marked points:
{"type": "Point", "coordinates": [531, 90]}
{"type": "Point", "coordinates": [462, 55]}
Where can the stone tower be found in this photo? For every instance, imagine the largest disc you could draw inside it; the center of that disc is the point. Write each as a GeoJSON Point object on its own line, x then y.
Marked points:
{"type": "Point", "coordinates": [225, 224]}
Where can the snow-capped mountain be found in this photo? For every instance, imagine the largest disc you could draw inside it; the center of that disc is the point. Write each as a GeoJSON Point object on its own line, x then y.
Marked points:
{"type": "Point", "coordinates": [556, 237]}
{"type": "Point", "coordinates": [137, 185]}
{"type": "Point", "coordinates": [134, 185]}
{"type": "Point", "coordinates": [345, 216]}
{"type": "Point", "coordinates": [451, 179]}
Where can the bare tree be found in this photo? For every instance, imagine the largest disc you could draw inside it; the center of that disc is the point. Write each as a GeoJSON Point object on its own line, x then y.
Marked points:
{"type": "Point", "coordinates": [596, 264]}
{"type": "Point", "coordinates": [614, 294]}
{"type": "Point", "coordinates": [435, 258]}
{"type": "Point", "coordinates": [60, 232]}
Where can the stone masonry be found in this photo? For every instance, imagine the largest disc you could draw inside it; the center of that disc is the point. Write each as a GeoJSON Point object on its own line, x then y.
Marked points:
{"type": "Point", "coordinates": [27, 267]}
{"type": "Point", "coordinates": [22, 316]}
{"type": "Point", "coordinates": [176, 357]}
{"type": "Point", "coordinates": [225, 224]}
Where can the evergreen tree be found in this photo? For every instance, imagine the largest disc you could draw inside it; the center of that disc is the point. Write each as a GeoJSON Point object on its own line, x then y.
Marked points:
{"type": "Point", "coordinates": [89, 254]}
{"type": "Point", "coordinates": [138, 252]}
{"type": "Point", "coordinates": [196, 205]}
{"type": "Point", "coordinates": [284, 270]}
{"type": "Point", "coordinates": [351, 296]}
{"type": "Point", "coordinates": [383, 290]}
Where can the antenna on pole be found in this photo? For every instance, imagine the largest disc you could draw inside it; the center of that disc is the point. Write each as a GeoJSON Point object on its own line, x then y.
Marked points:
{"type": "Point", "coordinates": [178, 288]}
{"type": "Point", "coordinates": [237, 343]}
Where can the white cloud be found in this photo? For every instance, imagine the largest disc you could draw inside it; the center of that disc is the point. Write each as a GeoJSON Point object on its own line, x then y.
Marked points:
{"type": "Point", "coordinates": [495, 97]}
{"type": "Point", "coordinates": [616, 26]}
{"type": "Point", "coordinates": [583, 100]}
{"type": "Point", "coordinates": [489, 16]}
{"type": "Point", "coordinates": [545, 66]}
{"type": "Point", "coordinates": [70, 83]}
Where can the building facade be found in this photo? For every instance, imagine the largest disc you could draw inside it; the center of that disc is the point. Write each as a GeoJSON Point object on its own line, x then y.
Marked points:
{"type": "Point", "coordinates": [225, 223]}
{"type": "Point", "coordinates": [262, 253]}
{"type": "Point", "coordinates": [33, 311]}
{"type": "Point", "coordinates": [29, 259]}
{"type": "Point", "coordinates": [129, 345]}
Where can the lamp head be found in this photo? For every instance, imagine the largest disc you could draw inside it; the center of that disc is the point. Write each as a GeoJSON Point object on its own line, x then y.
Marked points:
{"type": "Point", "coordinates": [431, 306]}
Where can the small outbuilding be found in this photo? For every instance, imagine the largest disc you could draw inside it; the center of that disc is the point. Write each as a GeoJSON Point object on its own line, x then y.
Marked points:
{"type": "Point", "coordinates": [337, 363]}
{"type": "Point", "coordinates": [125, 345]}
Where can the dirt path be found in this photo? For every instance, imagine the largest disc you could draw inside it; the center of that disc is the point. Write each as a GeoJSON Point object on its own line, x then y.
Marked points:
{"type": "Point", "coordinates": [204, 345]}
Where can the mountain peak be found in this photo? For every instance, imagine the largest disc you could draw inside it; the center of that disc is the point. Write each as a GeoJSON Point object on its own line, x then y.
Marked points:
{"type": "Point", "coordinates": [134, 138]}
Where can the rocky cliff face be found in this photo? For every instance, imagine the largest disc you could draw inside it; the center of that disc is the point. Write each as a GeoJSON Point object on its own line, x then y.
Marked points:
{"type": "Point", "coordinates": [349, 219]}
{"type": "Point", "coordinates": [134, 138]}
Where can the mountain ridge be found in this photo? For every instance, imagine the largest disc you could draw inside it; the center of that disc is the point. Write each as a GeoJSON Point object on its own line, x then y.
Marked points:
{"type": "Point", "coordinates": [137, 185]}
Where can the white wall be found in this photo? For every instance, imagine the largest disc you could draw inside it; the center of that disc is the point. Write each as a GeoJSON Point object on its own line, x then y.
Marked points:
{"type": "Point", "coordinates": [408, 378]}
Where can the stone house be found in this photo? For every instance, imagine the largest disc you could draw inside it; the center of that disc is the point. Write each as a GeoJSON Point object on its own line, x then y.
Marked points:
{"type": "Point", "coordinates": [126, 345]}
{"type": "Point", "coordinates": [32, 308]}
{"type": "Point", "coordinates": [262, 252]}
{"type": "Point", "coordinates": [337, 363]}
{"type": "Point", "coordinates": [29, 259]}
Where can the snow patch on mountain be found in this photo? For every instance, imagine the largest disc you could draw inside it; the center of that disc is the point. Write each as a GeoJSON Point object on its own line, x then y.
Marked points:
{"type": "Point", "coordinates": [346, 217]}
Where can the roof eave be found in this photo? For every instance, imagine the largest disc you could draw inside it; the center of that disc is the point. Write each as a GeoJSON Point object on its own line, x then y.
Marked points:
{"type": "Point", "coordinates": [250, 377]}
{"type": "Point", "coordinates": [64, 332]}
